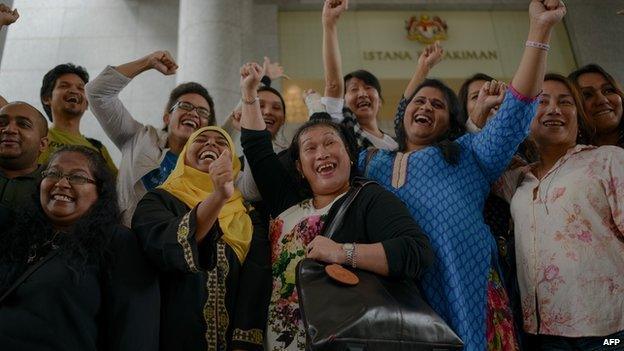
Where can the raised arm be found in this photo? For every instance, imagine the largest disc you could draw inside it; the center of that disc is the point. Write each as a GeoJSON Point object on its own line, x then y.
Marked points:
{"type": "Point", "coordinates": [430, 57]}
{"type": "Point", "coordinates": [495, 145]}
{"type": "Point", "coordinates": [544, 15]}
{"type": "Point", "coordinates": [332, 62]}
{"type": "Point", "coordinates": [103, 95]}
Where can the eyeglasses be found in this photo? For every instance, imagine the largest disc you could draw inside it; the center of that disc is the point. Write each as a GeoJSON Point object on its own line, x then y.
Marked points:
{"type": "Point", "coordinates": [73, 179]}
{"type": "Point", "coordinates": [187, 106]}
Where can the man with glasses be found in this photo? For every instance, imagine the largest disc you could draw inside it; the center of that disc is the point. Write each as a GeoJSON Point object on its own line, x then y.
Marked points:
{"type": "Point", "coordinates": [23, 136]}
{"type": "Point", "coordinates": [149, 154]}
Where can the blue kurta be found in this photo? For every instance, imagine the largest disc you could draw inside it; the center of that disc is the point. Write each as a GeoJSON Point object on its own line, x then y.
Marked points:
{"type": "Point", "coordinates": [447, 202]}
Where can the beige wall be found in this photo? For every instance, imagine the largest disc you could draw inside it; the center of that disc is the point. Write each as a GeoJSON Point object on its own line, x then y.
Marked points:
{"type": "Point", "coordinates": [377, 41]}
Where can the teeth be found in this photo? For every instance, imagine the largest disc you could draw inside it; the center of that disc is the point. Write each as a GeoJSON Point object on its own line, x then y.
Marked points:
{"type": "Point", "coordinates": [422, 119]}
{"type": "Point", "coordinates": [63, 198]}
{"type": "Point", "coordinates": [190, 123]}
{"type": "Point", "coordinates": [269, 121]}
{"type": "Point", "coordinates": [208, 154]}
{"type": "Point", "coordinates": [604, 112]}
{"type": "Point", "coordinates": [553, 123]}
{"type": "Point", "coordinates": [325, 167]}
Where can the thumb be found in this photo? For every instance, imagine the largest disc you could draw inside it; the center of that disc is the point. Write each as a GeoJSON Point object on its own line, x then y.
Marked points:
{"type": "Point", "coordinates": [225, 155]}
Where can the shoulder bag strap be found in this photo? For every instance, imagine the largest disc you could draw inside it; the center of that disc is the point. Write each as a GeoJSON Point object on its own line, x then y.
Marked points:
{"type": "Point", "coordinates": [331, 227]}
{"type": "Point", "coordinates": [28, 273]}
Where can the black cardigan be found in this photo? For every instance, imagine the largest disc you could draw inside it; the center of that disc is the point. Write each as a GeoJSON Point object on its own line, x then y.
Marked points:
{"type": "Point", "coordinates": [104, 308]}
{"type": "Point", "coordinates": [376, 215]}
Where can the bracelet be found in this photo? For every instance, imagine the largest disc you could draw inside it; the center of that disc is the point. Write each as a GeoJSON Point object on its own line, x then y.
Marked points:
{"type": "Point", "coordinates": [250, 102]}
{"type": "Point", "coordinates": [537, 45]}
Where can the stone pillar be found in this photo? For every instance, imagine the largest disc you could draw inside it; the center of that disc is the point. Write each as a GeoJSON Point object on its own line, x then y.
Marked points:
{"type": "Point", "coordinates": [3, 32]}
{"type": "Point", "coordinates": [596, 34]}
{"type": "Point", "coordinates": [215, 37]}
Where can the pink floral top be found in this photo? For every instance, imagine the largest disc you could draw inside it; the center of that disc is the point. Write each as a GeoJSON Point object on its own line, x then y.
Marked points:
{"type": "Point", "coordinates": [570, 244]}
{"type": "Point", "coordinates": [290, 233]}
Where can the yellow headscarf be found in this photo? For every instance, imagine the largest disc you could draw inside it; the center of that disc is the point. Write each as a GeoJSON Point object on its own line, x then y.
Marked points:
{"type": "Point", "coordinates": [192, 186]}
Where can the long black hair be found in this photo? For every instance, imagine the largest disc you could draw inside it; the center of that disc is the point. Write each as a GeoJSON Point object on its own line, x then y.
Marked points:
{"type": "Point", "coordinates": [346, 135]}
{"type": "Point", "coordinates": [445, 142]}
{"type": "Point", "coordinates": [32, 235]}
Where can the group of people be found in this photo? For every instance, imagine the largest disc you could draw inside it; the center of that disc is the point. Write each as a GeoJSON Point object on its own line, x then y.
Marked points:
{"type": "Point", "coordinates": [504, 202]}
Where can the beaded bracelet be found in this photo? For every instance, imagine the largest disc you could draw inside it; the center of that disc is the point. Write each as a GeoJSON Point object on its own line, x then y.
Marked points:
{"type": "Point", "coordinates": [537, 45]}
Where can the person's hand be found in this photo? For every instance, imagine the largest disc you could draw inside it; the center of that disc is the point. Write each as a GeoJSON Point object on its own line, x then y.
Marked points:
{"type": "Point", "coordinates": [222, 176]}
{"type": "Point", "coordinates": [251, 73]}
{"type": "Point", "coordinates": [431, 56]}
{"type": "Point", "coordinates": [7, 16]}
{"type": "Point", "coordinates": [162, 61]}
{"type": "Point", "coordinates": [491, 95]}
{"type": "Point", "coordinates": [236, 118]}
{"type": "Point", "coordinates": [546, 13]}
{"type": "Point", "coordinates": [273, 70]}
{"type": "Point", "coordinates": [324, 249]}
{"type": "Point", "coordinates": [332, 9]}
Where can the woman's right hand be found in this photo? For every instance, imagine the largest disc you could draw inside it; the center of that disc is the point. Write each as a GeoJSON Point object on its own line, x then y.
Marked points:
{"type": "Point", "coordinates": [251, 74]}
{"type": "Point", "coordinates": [222, 176]}
{"type": "Point", "coordinates": [332, 9]}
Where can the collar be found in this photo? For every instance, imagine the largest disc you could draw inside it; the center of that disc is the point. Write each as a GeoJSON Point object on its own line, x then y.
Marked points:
{"type": "Point", "coordinates": [32, 175]}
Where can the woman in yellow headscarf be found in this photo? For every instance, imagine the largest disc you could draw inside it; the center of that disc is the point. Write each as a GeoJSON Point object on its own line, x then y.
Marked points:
{"type": "Point", "coordinates": [197, 231]}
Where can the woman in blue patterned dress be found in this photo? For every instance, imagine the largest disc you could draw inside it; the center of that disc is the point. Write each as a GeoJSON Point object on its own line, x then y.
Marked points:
{"type": "Point", "coordinates": [444, 182]}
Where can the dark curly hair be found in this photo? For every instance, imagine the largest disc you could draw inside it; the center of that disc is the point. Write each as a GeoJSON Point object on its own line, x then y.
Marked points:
{"type": "Point", "coordinates": [347, 137]}
{"type": "Point", "coordinates": [446, 142]}
{"type": "Point", "coordinates": [50, 78]}
{"type": "Point", "coordinates": [85, 242]}
{"type": "Point", "coordinates": [191, 88]}
{"type": "Point", "coordinates": [463, 94]}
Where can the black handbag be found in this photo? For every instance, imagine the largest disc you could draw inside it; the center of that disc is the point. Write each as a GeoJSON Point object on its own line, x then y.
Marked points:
{"type": "Point", "coordinates": [376, 314]}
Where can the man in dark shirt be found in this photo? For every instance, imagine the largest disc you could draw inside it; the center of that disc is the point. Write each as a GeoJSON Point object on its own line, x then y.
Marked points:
{"type": "Point", "coordinates": [23, 136]}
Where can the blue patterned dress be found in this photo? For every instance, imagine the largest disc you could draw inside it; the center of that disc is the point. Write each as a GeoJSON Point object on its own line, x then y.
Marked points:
{"type": "Point", "coordinates": [447, 202]}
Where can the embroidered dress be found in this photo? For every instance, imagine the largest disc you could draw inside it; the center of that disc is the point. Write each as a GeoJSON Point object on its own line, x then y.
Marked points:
{"type": "Point", "coordinates": [290, 233]}
{"type": "Point", "coordinates": [570, 243]}
{"type": "Point", "coordinates": [447, 201]}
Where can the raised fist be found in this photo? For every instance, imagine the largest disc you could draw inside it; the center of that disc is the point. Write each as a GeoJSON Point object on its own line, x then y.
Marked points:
{"type": "Point", "coordinates": [222, 176]}
{"type": "Point", "coordinates": [332, 9]}
{"type": "Point", "coordinates": [251, 74]}
{"type": "Point", "coordinates": [273, 70]}
{"type": "Point", "coordinates": [7, 16]}
{"type": "Point", "coordinates": [162, 61]}
{"type": "Point", "coordinates": [546, 13]}
{"type": "Point", "coordinates": [431, 56]}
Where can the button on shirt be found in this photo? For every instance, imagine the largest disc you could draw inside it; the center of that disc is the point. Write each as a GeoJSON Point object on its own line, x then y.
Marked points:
{"type": "Point", "coordinates": [570, 244]}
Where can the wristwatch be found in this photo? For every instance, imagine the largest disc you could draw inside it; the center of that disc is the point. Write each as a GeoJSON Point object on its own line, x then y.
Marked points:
{"type": "Point", "coordinates": [349, 249]}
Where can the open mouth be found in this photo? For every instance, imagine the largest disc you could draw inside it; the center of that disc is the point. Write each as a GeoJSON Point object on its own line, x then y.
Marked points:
{"type": "Point", "coordinates": [423, 119]}
{"type": "Point", "coordinates": [363, 104]}
{"type": "Point", "coordinates": [553, 123]}
{"type": "Point", "coordinates": [73, 99]}
{"type": "Point", "coordinates": [603, 113]}
{"type": "Point", "coordinates": [326, 168]}
{"type": "Point", "coordinates": [269, 121]}
{"type": "Point", "coordinates": [190, 123]}
{"type": "Point", "coordinates": [208, 154]}
{"type": "Point", "coordinates": [62, 198]}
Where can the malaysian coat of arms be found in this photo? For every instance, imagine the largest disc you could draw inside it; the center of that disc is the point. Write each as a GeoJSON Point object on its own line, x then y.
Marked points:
{"type": "Point", "coordinates": [426, 29]}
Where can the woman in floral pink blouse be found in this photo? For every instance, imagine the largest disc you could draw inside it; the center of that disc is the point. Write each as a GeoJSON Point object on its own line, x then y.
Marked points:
{"type": "Point", "coordinates": [568, 210]}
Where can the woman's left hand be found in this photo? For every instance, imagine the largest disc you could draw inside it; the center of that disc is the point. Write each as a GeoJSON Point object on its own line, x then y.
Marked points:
{"type": "Point", "coordinates": [326, 250]}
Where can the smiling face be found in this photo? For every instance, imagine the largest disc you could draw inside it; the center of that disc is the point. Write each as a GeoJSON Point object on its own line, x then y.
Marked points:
{"type": "Point", "coordinates": [206, 148]}
{"type": "Point", "coordinates": [64, 203]}
{"type": "Point", "coordinates": [426, 118]}
{"type": "Point", "coordinates": [324, 160]}
{"type": "Point", "coordinates": [68, 96]}
{"type": "Point", "coordinates": [362, 99]}
{"type": "Point", "coordinates": [272, 111]}
{"type": "Point", "coordinates": [555, 123]}
{"type": "Point", "coordinates": [22, 136]}
{"type": "Point", "coordinates": [601, 102]}
{"type": "Point", "coordinates": [182, 123]}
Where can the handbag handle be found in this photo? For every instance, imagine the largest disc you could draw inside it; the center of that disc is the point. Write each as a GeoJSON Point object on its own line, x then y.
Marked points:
{"type": "Point", "coordinates": [27, 274]}
{"type": "Point", "coordinates": [331, 227]}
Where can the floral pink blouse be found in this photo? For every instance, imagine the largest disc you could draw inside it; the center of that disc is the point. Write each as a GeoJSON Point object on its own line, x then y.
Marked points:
{"type": "Point", "coordinates": [570, 244]}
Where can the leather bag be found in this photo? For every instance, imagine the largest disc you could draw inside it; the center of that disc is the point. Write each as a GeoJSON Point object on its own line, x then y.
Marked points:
{"type": "Point", "coordinates": [376, 314]}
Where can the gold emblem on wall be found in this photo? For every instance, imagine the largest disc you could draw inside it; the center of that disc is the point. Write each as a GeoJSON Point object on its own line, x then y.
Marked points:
{"type": "Point", "coordinates": [426, 30]}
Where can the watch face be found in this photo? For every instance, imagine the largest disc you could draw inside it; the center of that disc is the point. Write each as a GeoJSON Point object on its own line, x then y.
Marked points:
{"type": "Point", "coordinates": [348, 246]}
